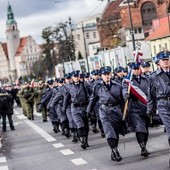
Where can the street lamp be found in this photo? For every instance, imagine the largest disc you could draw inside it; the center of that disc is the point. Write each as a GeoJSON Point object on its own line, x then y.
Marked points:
{"type": "Point", "coordinates": [131, 25]}
{"type": "Point", "coordinates": [85, 47]}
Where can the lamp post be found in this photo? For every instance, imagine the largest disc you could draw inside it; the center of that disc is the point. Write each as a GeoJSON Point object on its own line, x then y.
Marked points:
{"type": "Point", "coordinates": [85, 47]}
{"type": "Point", "coordinates": [131, 25]}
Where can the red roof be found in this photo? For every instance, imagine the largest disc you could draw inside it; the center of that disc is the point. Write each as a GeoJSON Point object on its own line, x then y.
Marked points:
{"type": "Point", "coordinates": [23, 42]}
{"type": "Point", "coordinates": [5, 48]}
{"type": "Point", "coordinates": [160, 32]}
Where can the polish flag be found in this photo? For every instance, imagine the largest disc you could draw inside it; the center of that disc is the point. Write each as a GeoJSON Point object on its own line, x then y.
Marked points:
{"type": "Point", "coordinates": [17, 82]}
{"type": "Point", "coordinates": [32, 83]}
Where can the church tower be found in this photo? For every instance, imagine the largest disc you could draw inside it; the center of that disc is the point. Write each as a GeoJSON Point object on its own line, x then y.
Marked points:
{"type": "Point", "coordinates": [13, 41]}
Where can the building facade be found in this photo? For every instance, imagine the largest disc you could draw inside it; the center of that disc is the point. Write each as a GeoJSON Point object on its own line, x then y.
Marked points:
{"type": "Point", "coordinates": [85, 34]}
{"type": "Point", "coordinates": [19, 53]}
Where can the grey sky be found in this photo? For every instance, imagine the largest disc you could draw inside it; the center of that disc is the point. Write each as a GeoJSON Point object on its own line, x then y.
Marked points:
{"type": "Point", "coordinates": [34, 15]}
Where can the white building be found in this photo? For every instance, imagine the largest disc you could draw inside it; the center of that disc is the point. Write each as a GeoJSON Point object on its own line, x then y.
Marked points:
{"type": "Point", "coordinates": [17, 54]}
{"type": "Point", "coordinates": [86, 34]}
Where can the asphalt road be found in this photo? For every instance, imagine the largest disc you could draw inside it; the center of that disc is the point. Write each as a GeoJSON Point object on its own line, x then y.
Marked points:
{"type": "Point", "coordinates": [34, 146]}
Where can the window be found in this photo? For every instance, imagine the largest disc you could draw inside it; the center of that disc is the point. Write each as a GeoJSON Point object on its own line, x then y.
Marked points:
{"type": "Point", "coordinates": [87, 35]}
{"type": "Point", "coordinates": [135, 30]}
{"type": "Point", "coordinates": [148, 12]}
{"type": "Point", "coordinates": [140, 30]}
{"type": "Point", "coordinates": [94, 34]}
{"type": "Point", "coordinates": [160, 47]}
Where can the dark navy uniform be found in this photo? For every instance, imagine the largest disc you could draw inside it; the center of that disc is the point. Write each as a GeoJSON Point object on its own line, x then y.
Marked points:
{"type": "Point", "coordinates": [109, 97]}
{"type": "Point", "coordinates": [161, 88]}
{"type": "Point", "coordinates": [58, 102]}
{"type": "Point", "coordinates": [137, 110]}
{"type": "Point", "coordinates": [119, 79]}
{"type": "Point", "coordinates": [79, 100]}
{"type": "Point", "coordinates": [52, 110]}
{"type": "Point", "coordinates": [146, 65]}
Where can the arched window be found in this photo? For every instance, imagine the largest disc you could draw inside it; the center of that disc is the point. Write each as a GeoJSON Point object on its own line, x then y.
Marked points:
{"type": "Point", "coordinates": [13, 28]}
{"type": "Point", "coordinates": [148, 12]}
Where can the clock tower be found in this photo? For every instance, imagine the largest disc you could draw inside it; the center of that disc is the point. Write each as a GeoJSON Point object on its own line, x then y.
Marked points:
{"type": "Point", "coordinates": [13, 41]}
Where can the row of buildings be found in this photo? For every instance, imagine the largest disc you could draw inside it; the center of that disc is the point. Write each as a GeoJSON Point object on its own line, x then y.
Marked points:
{"type": "Point", "coordinates": [101, 39]}
{"type": "Point", "coordinates": [149, 24]}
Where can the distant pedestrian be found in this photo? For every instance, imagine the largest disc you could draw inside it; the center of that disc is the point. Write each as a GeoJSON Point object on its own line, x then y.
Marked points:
{"type": "Point", "coordinates": [6, 110]}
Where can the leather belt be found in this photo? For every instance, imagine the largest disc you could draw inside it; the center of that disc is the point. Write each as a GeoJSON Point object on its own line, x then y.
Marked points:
{"type": "Point", "coordinates": [164, 98]}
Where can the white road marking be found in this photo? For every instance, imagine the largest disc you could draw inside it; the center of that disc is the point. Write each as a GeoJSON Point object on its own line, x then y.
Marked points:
{"type": "Point", "coordinates": [21, 117]}
{"type": "Point", "coordinates": [44, 134]}
{"type": "Point", "coordinates": [4, 168]}
{"type": "Point", "coordinates": [2, 159]}
{"type": "Point", "coordinates": [67, 152]}
{"type": "Point", "coordinates": [79, 161]}
{"type": "Point", "coordinates": [16, 112]}
{"type": "Point", "coordinates": [17, 123]}
{"type": "Point", "coordinates": [58, 145]}
{"type": "Point", "coordinates": [37, 114]}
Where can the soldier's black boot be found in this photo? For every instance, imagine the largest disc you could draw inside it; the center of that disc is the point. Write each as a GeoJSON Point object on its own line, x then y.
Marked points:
{"type": "Point", "coordinates": [67, 132]}
{"type": "Point", "coordinates": [144, 151]}
{"type": "Point", "coordinates": [87, 141]}
{"type": "Point", "coordinates": [115, 156]}
{"type": "Point", "coordinates": [169, 145]}
{"type": "Point", "coordinates": [83, 142]}
{"type": "Point", "coordinates": [95, 130]}
{"type": "Point", "coordinates": [74, 137]}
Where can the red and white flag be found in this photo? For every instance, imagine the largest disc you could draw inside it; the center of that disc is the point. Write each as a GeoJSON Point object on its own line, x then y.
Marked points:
{"type": "Point", "coordinates": [136, 91]}
{"type": "Point", "coordinates": [32, 83]}
{"type": "Point", "coordinates": [17, 82]}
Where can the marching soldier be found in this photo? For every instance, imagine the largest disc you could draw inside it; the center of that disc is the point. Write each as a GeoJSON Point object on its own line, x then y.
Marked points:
{"type": "Point", "coordinates": [146, 68]}
{"type": "Point", "coordinates": [22, 99]}
{"type": "Point", "coordinates": [119, 74]}
{"type": "Point", "coordinates": [28, 94]}
{"type": "Point", "coordinates": [72, 124]}
{"type": "Point", "coordinates": [161, 85]}
{"type": "Point", "coordinates": [137, 109]}
{"type": "Point", "coordinates": [45, 98]}
{"type": "Point", "coordinates": [38, 90]}
{"type": "Point", "coordinates": [77, 91]}
{"type": "Point", "coordinates": [52, 110]}
{"type": "Point", "coordinates": [109, 95]}
{"type": "Point", "coordinates": [58, 102]}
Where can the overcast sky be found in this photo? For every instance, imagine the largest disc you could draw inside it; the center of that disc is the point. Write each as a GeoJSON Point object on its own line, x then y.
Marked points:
{"type": "Point", "coordinates": [34, 15]}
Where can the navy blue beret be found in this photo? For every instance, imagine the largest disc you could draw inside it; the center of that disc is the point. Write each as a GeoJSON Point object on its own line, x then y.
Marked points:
{"type": "Point", "coordinates": [50, 82]}
{"type": "Point", "coordinates": [67, 76]}
{"type": "Point", "coordinates": [60, 80]}
{"type": "Point", "coordinates": [106, 69]}
{"type": "Point", "coordinates": [119, 69]}
{"type": "Point", "coordinates": [86, 75]}
{"type": "Point", "coordinates": [163, 55]}
{"type": "Point", "coordinates": [81, 75]}
{"type": "Point", "coordinates": [75, 73]}
{"type": "Point", "coordinates": [95, 72]}
{"type": "Point", "coordinates": [135, 65]}
{"type": "Point", "coordinates": [145, 64]}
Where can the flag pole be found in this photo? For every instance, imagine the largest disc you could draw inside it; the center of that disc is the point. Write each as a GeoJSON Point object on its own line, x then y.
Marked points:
{"type": "Point", "coordinates": [130, 79]}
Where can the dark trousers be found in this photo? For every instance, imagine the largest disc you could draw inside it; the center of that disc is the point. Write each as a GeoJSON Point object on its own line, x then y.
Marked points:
{"type": "Point", "coordinates": [4, 122]}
